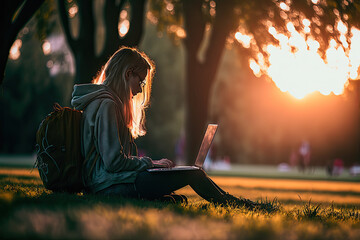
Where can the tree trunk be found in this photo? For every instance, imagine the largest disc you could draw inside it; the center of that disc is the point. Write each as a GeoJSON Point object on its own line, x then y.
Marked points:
{"type": "Point", "coordinates": [86, 68]}
{"type": "Point", "coordinates": [198, 89]}
{"type": "Point", "coordinates": [200, 75]}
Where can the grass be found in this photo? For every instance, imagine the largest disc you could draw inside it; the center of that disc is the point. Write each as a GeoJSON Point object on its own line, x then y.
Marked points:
{"type": "Point", "coordinates": [294, 209]}
{"type": "Point", "coordinates": [267, 171]}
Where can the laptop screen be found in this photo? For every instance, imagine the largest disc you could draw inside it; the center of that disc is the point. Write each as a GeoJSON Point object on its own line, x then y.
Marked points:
{"type": "Point", "coordinates": [205, 145]}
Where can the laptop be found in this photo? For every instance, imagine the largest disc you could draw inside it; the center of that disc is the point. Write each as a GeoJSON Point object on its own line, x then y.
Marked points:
{"type": "Point", "coordinates": [200, 159]}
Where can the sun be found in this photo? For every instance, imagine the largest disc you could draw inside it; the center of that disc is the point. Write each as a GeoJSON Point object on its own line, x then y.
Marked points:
{"type": "Point", "coordinates": [296, 67]}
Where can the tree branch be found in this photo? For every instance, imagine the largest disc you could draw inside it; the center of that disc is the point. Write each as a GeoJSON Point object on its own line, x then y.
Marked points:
{"type": "Point", "coordinates": [66, 26]}
{"type": "Point", "coordinates": [194, 24]}
{"type": "Point", "coordinates": [224, 22]}
{"type": "Point", "coordinates": [9, 9]}
{"type": "Point", "coordinates": [111, 19]}
{"type": "Point", "coordinates": [27, 11]}
{"type": "Point", "coordinates": [87, 29]}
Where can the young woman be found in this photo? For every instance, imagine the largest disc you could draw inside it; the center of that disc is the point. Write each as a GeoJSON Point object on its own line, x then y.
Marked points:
{"type": "Point", "coordinates": [113, 116]}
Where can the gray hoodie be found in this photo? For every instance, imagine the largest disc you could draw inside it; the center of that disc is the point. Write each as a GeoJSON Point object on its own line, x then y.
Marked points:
{"type": "Point", "coordinates": [114, 159]}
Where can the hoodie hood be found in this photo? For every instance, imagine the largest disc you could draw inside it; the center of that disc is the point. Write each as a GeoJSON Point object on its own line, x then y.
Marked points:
{"type": "Point", "coordinates": [83, 94]}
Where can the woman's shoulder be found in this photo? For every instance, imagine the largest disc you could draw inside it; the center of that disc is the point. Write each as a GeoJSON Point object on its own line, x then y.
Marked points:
{"type": "Point", "coordinates": [107, 103]}
{"type": "Point", "coordinates": [108, 108]}
{"type": "Point", "coordinates": [99, 105]}
{"type": "Point", "coordinates": [110, 98]}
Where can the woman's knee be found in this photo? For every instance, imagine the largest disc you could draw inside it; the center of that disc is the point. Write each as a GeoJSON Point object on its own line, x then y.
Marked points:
{"type": "Point", "coordinates": [200, 172]}
{"type": "Point", "coordinates": [194, 175]}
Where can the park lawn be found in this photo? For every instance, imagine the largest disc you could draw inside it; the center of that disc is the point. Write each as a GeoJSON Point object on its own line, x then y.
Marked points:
{"type": "Point", "coordinates": [308, 209]}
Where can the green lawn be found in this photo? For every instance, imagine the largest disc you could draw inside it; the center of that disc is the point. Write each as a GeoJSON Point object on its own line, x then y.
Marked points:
{"type": "Point", "coordinates": [310, 208]}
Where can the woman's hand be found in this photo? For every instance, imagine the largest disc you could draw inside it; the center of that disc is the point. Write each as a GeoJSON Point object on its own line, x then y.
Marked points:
{"type": "Point", "coordinates": [165, 163]}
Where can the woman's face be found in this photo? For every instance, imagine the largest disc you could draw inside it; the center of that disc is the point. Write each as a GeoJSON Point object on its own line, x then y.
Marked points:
{"type": "Point", "coordinates": [136, 81]}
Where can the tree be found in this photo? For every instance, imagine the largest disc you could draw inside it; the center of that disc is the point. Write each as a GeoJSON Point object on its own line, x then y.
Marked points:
{"type": "Point", "coordinates": [208, 24]}
{"type": "Point", "coordinates": [84, 46]}
{"type": "Point", "coordinates": [14, 15]}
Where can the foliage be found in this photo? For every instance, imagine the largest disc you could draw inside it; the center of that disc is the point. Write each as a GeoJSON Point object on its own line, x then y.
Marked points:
{"type": "Point", "coordinates": [255, 17]}
{"type": "Point", "coordinates": [46, 20]}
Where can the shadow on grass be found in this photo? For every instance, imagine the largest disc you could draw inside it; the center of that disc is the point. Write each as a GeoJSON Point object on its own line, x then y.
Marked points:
{"type": "Point", "coordinates": [58, 201]}
{"type": "Point", "coordinates": [61, 216]}
{"type": "Point", "coordinates": [24, 192]}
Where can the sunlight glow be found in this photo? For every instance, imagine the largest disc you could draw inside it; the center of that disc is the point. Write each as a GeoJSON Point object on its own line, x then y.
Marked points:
{"type": "Point", "coordinates": [169, 7]}
{"type": "Point", "coordinates": [341, 27]}
{"type": "Point", "coordinates": [73, 11]}
{"type": "Point", "coordinates": [150, 16]}
{"type": "Point", "coordinates": [123, 14]}
{"type": "Point", "coordinates": [179, 31]}
{"type": "Point", "coordinates": [123, 27]}
{"type": "Point", "coordinates": [46, 47]}
{"type": "Point", "coordinates": [284, 6]}
{"type": "Point", "coordinates": [354, 55]}
{"type": "Point", "coordinates": [306, 71]}
{"type": "Point", "coordinates": [243, 39]}
{"type": "Point", "coordinates": [296, 66]}
{"type": "Point", "coordinates": [15, 50]}
{"type": "Point", "coordinates": [255, 67]}
{"type": "Point", "coordinates": [212, 10]}
{"type": "Point", "coordinates": [306, 22]}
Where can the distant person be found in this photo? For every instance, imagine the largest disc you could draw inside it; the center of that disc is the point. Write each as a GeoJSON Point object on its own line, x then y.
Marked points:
{"type": "Point", "coordinates": [304, 155]}
{"type": "Point", "coordinates": [338, 167]}
{"type": "Point", "coordinates": [113, 116]}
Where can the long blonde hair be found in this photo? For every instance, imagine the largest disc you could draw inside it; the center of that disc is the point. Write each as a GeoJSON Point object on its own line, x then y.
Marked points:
{"type": "Point", "coordinates": [113, 75]}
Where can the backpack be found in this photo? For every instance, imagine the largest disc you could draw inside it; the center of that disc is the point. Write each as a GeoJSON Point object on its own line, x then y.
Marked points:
{"type": "Point", "coordinates": [59, 159]}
